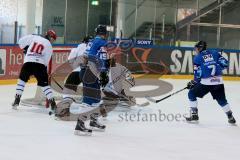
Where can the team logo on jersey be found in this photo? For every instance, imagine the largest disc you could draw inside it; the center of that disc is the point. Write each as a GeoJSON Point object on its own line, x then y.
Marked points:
{"type": "Point", "coordinates": [208, 58]}
{"type": "Point", "coordinates": [2, 61]}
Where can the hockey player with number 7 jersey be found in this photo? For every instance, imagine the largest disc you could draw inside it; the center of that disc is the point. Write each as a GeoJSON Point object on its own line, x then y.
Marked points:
{"type": "Point", "coordinates": [38, 51]}
{"type": "Point", "coordinates": [208, 66]}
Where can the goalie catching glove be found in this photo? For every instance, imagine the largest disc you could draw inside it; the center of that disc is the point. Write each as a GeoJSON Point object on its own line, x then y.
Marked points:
{"type": "Point", "coordinates": [191, 84]}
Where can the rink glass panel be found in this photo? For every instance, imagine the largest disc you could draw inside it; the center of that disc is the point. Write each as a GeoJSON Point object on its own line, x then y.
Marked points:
{"type": "Point", "coordinates": [134, 19]}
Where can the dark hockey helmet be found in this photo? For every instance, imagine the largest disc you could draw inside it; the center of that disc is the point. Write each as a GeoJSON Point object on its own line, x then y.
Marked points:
{"type": "Point", "coordinates": [51, 34]}
{"type": "Point", "coordinates": [101, 30]}
{"type": "Point", "coordinates": [202, 45]}
{"type": "Point", "coordinates": [86, 39]}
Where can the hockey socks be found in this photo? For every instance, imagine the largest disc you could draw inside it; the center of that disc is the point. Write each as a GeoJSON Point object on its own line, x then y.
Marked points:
{"type": "Point", "coordinates": [48, 92]}
{"type": "Point", "coordinates": [20, 87]}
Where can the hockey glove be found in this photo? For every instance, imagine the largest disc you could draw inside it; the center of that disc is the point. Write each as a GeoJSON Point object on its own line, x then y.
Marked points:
{"type": "Point", "coordinates": [191, 84]}
{"type": "Point", "coordinates": [104, 79]}
{"type": "Point", "coordinates": [25, 50]}
{"type": "Point", "coordinates": [223, 62]}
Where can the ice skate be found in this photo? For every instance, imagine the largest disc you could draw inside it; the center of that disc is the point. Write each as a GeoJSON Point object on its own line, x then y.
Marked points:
{"type": "Point", "coordinates": [193, 115]}
{"type": "Point", "coordinates": [95, 125]}
{"type": "Point", "coordinates": [16, 102]}
{"type": "Point", "coordinates": [81, 130]}
{"type": "Point", "coordinates": [53, 106]}
{"type": "Point", "coordinates": [231, 119]}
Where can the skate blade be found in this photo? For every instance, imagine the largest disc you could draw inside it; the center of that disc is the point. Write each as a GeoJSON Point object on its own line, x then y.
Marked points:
{"type": "Point", "coordinates": [80, 133]}
{"type": "Point", "coordinates": [233, 124]}
{"type": "Point", "coordinates": [51, 113]}
{"type": "Point", "coordinates": [97, 129]}
{"type": "Point", "coordinates": [104, 118]}
{"type": "Point", "coordinates": [57, 118]}
{"type": "Point", "coordinates": [14, 107]}
{"type": "Point", "coordinates": [193, 122]}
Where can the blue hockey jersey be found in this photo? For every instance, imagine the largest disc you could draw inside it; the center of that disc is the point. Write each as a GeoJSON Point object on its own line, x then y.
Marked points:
{"type": "Point", "coordinates": [96, 52]}
{"type": "Point", "coordinates": [208, 66]}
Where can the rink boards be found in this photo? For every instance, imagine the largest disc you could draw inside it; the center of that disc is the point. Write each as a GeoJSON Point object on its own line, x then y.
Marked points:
{"type": "Point", "coordinates": [161, 62]}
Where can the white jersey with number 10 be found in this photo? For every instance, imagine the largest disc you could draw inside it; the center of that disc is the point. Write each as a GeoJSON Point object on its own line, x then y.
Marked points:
{"type": "Point", "coordinates": [39, 51]}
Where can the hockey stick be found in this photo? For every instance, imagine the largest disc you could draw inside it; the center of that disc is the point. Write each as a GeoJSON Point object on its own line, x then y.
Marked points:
{"type": "Point", "coordinates": [159, 100]}
{"type": "Point", "coordinates": [138, 104]}
{"type": "Point", "coordinates": [57, 83]}
{"type": "Point", "coordinates": [127, 98]}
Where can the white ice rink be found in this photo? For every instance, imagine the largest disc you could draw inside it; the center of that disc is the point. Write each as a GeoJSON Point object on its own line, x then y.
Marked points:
{"type": "Point", "coordinates": [30, 134]}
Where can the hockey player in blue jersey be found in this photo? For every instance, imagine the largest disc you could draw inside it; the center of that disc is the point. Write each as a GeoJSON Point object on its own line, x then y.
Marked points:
{"type": "Point", "coordinates": [97, 56]}
{"type": "Point", "coordinates": [208, 66]}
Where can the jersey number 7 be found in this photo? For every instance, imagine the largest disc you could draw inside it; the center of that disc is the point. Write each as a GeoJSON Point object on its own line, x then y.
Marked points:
{"type": "Point", "coordinates": [37, 48]}
{"type": "Point", "coordinates": [213, 67]}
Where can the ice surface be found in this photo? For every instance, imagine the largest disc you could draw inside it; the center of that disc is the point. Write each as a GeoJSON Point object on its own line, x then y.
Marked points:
{"type": "Point", "coordinates": [30, 134]}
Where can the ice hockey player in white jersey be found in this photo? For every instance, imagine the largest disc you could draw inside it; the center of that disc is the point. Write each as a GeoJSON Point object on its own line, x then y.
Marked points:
{"type": "Point", "coordinates": [38, 51]}
{"type": "Point", "coordinates": [75, 77]}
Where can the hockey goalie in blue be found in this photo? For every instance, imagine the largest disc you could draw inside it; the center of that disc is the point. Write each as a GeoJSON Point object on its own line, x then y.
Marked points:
{"type": "Point", "coordinates": [208, 66]}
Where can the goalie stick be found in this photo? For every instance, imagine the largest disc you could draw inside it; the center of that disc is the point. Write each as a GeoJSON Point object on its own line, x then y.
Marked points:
{"type": "Point", "coordinates": [159, 100]}
{"type": "Point", "coordinates": [144, 104]}
{"type": "Point", "coordinates": [126, 97]}
{"type": "Point", "coordinates": [56, 83]}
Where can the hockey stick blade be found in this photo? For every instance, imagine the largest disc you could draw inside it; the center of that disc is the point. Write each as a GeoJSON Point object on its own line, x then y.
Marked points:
{"type": "Point", "coordinates": [151, 99]}
{"type": "Point", "coordinates": [143, 104]}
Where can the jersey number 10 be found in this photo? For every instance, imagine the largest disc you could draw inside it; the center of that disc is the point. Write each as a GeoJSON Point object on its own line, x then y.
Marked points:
{"type": "Point", "coordinates": [37, 48]}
